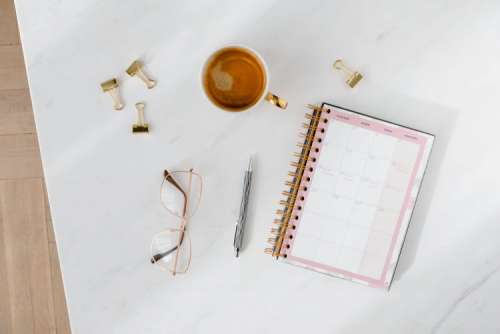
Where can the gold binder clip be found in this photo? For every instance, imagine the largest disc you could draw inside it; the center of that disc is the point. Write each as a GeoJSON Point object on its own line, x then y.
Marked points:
{"type": "Point", "coordinates": [111, 87]}
{"type": "Point", "coordinates": [353, 76]}
{"type": "Point", "coordinates": [135, 69]}
{"type": "Point", "coordinates": [141, 125]}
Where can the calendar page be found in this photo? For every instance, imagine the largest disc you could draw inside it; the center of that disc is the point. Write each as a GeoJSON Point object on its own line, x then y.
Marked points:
{"type": "Point", "coordinates": [360, 190]}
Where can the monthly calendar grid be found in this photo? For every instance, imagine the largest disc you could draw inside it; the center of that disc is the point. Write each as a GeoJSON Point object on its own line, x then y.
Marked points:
{"type": "Point", "coordinates": [369, 170]}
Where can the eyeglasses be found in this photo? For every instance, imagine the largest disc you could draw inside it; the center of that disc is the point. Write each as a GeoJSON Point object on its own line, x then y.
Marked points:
{"type": "Point", "coordinates": [180, 194]}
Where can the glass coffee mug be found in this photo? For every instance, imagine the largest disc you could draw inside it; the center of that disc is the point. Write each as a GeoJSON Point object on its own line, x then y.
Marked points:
{"type": "Point", "coordinates": [235, 78]}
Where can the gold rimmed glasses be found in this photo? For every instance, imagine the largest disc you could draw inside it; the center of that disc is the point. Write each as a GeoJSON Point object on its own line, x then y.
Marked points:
{"type": "Point", "coordinates": [180, 194]}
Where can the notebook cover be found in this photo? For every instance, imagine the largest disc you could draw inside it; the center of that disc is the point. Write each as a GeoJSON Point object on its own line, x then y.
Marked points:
{"type": "Point", "coordinates": [329, 115]}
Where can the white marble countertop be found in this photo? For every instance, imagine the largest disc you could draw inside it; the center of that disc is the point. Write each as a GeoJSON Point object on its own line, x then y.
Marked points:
{"type": "Point", "coordinates": [433, 65]}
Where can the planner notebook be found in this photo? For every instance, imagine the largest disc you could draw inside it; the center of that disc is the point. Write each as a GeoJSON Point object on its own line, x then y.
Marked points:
{"type": "Point", "coordinates": [351, 195]}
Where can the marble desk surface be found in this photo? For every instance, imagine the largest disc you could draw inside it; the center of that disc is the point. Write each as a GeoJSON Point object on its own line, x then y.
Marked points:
{"type": "Point", "coordinates": [432, 65]}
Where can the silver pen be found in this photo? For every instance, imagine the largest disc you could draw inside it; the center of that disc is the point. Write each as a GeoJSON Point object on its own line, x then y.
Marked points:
{"type": "Point", "coordinates": [240, 224]}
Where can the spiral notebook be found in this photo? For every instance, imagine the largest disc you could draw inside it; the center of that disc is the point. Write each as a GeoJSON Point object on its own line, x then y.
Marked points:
{"type": "Point", "coordinates": [351, 195]}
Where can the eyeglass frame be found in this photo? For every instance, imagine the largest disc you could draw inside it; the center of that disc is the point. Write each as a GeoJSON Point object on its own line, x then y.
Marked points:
{"type": "Point", "coordinates": [167, 176]}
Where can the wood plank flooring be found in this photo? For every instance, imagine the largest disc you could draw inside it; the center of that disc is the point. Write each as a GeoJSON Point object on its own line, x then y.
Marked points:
{"type": "Point", "coordinates": [32, 296]}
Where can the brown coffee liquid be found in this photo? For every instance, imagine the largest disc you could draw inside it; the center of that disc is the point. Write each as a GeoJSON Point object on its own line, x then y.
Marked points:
{"type": "Point", "coordinates": [234, 79]}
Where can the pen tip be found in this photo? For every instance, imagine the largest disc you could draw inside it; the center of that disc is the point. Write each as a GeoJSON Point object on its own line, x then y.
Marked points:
{"type": "Point", "coordinates": [237, 252]}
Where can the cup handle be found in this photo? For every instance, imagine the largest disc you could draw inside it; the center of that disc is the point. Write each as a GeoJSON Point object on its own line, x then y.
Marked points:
{"type": "Point", "coordinates": [276, 100]}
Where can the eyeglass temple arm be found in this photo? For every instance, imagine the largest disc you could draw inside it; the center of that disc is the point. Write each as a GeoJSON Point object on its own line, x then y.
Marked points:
{"type": "Point", "coordinates": [159, 256]}
{"type": "Point", "coordinates": [170, 179]}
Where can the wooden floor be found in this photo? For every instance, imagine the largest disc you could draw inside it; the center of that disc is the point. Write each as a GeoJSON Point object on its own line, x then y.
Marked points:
{"type": "Point", "coordinates": [31, 290]}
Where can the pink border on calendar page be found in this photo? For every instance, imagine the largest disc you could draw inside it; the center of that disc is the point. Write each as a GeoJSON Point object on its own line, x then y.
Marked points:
{"type": "Point", "coordinates": [375, 125]}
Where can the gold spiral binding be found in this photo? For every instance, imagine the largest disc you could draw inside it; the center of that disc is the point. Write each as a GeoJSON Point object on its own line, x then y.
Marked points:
{"type": "Point", "coordinates": [287, 205]}
{"type": "Point", "coordinates": [309, 126]}
{"type": "Point", "coordinates": [307, 136]}
{"type": "Point", "coordinates": [275, 231]}
{"type": "Point", "coordinates": [272, 241]}
{"type": "Point", "coordinates": [299, 166]}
